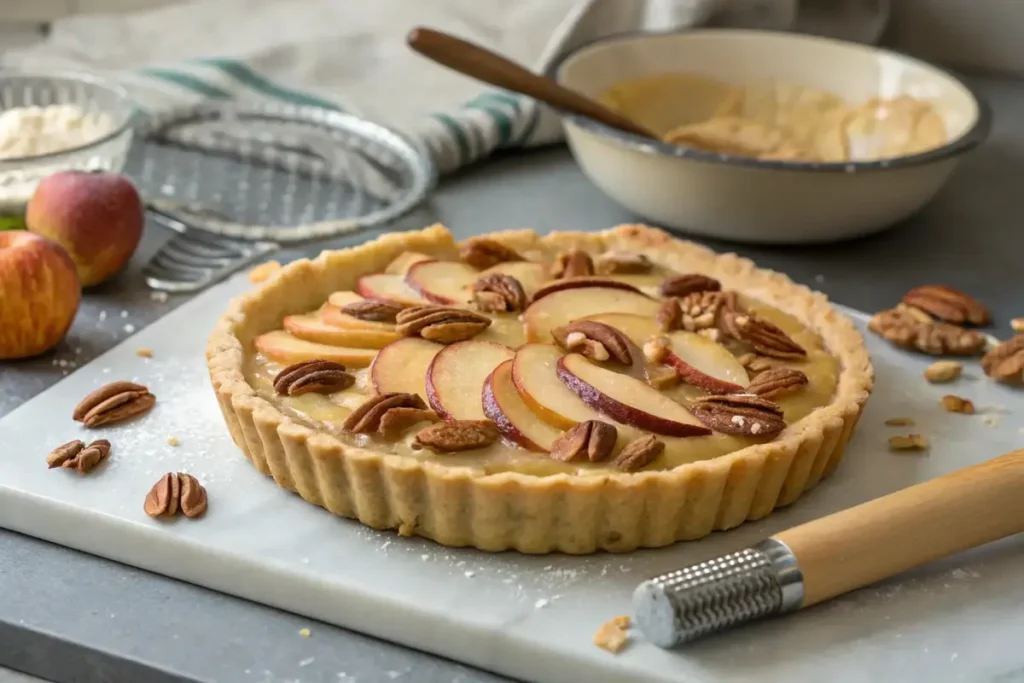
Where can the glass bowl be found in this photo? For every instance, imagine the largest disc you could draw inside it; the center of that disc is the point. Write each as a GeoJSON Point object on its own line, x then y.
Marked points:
{"type": "Point", "coordinates": [106, 150]}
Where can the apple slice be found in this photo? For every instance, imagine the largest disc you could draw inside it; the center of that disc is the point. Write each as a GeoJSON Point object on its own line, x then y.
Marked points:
{"type": "Point", "coordinates": [506, 408]}
{"type": "Point", "coordinates": [532, 276]}
{"type": "Point", "coordinates": [535, 374]}
{"type": "Point", "coordinates": [404, 261]}
{"type": "Point", "coordinates": [583, 283]}
{"type": "Point", "coordinates": [505, 329]}
{"type": "Point", "coordinates": [390, 287]}
{"type": "Point", "coordinates": [284, 348]}
{"type": "Point", "coordinates": [456, 377]}
{"type": "Point", "coordinates": [705, 364]}
{"type": "Point", "coordinates": [626, 399]}
{"type": "Point", "coordinates": [562, 307]}
{"type": "Point", "coordinates": [316, 329]}
{"type": "Point", "coordinates": [401, 366]}
{"type": "Point", "coordinates": [442, 282]}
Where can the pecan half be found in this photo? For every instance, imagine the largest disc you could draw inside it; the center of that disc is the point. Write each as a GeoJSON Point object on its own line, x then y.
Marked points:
{"type": "Point", "coordinates": [375, 310]}
{"type": "Point", "coordinates": [669, 315]}
{"type": "Point", "coordinates": [174, 492]}
{"type": "Point", "coordinates": [688, 283]}
{"type": "Point", "coordinates": [313, 376]}
{"type": "Point", "coordinates": [75, 455]}
{"type": "Point", "coordinates": [617, 262]}
{"type": "Point", "coordinates": [777, 382]}
{"type": "Point", "coordinates": [1005, 363]}
{"type": "Point", "coordinates": [742, 414]}
{"type": "Point", "coordinates": [764, 337]}
{"type": "Point", "coordinates": [459, 435]}
{"type": "Point", "coordinates": [948, 304]}
{"type": "Point", "coordinates": [396, 421]}
{"type": "Point", "coordinates": [441, 324]}
{"type": "Point", "coordinates": [957, 404]}
{"type": "Point", "coordinates": [370, 415]}
{"type": "Point", "coordinates": [483, 253]}
{"type": "Point", "coordinates": [639, 453]}
{"type": "Point", "coordinates": [755, 364]}
{"type": "Point", "coordinates": [592, 440]}
{"type": "Point", "coordinates": [913, 329]}
{"type": "Point", "coordinates": [699, 310]}
{"type": "Point", "coordinates": [498, 292]}
{"type": "Point", "coordinates": [594, 340]}
{"type": "Point", "coordinates": [572, 263]}
{"type": "Point", "coordinates": [943, 371]}
{"type": "Point", "coordinates": [112, 403]}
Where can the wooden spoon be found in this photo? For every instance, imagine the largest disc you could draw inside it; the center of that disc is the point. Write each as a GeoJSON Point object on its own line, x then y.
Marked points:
{"type": "Point", "coordinates": [484, 65]}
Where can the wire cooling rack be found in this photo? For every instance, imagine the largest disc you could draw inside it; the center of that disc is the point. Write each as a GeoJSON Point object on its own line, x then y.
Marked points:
{"type": "Point", "coordinates": [235, 181]}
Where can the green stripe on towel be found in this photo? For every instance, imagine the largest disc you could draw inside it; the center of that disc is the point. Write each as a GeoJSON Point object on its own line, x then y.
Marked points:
{"type": "Point", "coordinates": [460, 136]}
{"type": "Point", "coordinates": [187, 82]}
{"type": "Point", "coordinates": [246, 75]}
{"type": "Point", "coordinates": [502, 121]}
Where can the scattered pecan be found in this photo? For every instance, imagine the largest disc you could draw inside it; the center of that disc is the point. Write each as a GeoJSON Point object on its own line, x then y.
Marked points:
{"type": "Point", "coordinates": [369, 416]}
{"type": "Point", "coordinates": [908, 442]}
{"type": "Point", "coordinates": [948, 304]}
{"type": "Point", "coordinates": [75, 455]}
{"type": "Point", "coordinates": [899, 422]}
{"type": "Point", "coordinates": [913, 329]}
{"type": "Point", "coordinates": [777, 382]}
{"type": "Point", "coordinates": [764, 337]}
{"type": "Point", "coordinates": [742, 414]}
{"type": "Point", "coordinates": [613, 635]}
{"type": "Point", "coordinates": [174, 492]}
{"type": "Point", "coordinates": [943, 371]}
{"type": "Point", "coordinates": [313, 376]}
{"type": "Point", "coordinates": [499, 292]}
{"type": "Point", "coordinates": [112, 403]}
{"type": "Point", "coordinates": [572, 263]}
{"type": "Point", "coordinates": [639, 453]}
{"type": "Point", "coordinates": [483, 253]}
{"type": "Point", "coordinates": [441, 324]}
{"type": "Point", "coordinates": [688, 283]}
{"type": "Point", "coordinates": [1005, 363]}
{"type": "Point", "coordinates": [594, 340]}
{"type": "Point", "coordinates": [592, 440]}
{"type": "Point", "coordinates": [622, 263]}
{"type": "Point", "coordinates": [669, 315]}
{"type": "Point", "coordinates": [957, 404]}
{"type": "Point", "coordinates": [459, 435]}
{"type": "Point", "coordinates": [699, 310]}
{"type": "Point", "coordinates": [374, 310]}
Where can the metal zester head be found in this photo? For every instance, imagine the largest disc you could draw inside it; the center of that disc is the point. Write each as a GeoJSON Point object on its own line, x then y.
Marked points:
{"type": "Point", "coordinates": [268, 175]}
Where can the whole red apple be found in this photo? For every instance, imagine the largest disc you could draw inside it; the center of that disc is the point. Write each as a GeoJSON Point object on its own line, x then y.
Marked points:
{"type": "Point", "coordinates": [97, 217]}
{"type": "Point", "coordinates": [39, 294]}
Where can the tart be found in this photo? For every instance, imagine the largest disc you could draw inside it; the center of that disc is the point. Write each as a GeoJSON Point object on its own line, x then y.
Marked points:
{"type": "Point", "coordinates": [574, 392]}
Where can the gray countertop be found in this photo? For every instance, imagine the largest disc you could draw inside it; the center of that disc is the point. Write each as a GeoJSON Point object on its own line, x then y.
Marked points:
{"type": "Point", "coordinates": [66, 616]}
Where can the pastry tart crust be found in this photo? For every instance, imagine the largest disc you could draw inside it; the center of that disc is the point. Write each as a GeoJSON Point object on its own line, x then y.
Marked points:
{"type": "Point", "coordinates": [457, 506]}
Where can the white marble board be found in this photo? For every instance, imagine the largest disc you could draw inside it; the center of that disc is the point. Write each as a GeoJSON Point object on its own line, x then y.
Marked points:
{"type": "Point", "coordinates": [532, 618]}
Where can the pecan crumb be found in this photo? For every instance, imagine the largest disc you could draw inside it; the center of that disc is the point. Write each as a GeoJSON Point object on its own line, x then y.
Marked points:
{"type": "Point", "coordinates": [943, 371]}
{"type": "Point", "coordinates": [908, 442]}
{"type": "Point", "coordinates": [173, 441]}
{"type": "Point", "coordinates": [144, 353]}
{"type": "Point", "coordinates": [305, 632]}
{"type": "Point", "coordinates": [613, 636]}
{"type": "Point", "coordinates": [656, 348]}
{"type": "Point", "coordinates": [957, 404]}
{"type": "Point", "coordinates": [899, 422]}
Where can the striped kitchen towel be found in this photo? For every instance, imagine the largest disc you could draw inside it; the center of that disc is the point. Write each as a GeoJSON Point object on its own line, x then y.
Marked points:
{"type": "Point", "coordinates": [352, 56]}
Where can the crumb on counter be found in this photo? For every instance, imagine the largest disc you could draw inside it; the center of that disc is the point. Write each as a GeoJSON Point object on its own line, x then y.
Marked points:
{"type": "Point", "coordinates": [173, 441]}
{"type": "Point", "coordinates": [144, 353]}
{"type": "Point", "coordinates": [613, 635]}
{"type": "Point", "coordinates": [899, 422]}
{"type": "Point", "coordinates": [305, 632]}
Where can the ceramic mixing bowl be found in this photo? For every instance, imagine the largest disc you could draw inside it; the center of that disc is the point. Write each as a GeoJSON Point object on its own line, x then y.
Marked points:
{"type": "Point", "coordinates": [752, 200]}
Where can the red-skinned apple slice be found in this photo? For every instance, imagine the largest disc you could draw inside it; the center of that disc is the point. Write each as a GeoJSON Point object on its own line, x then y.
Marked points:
{"type": "Point", "coordinates": [535, 374]}
{"type": "Point", "coordinates": [609, 282]}
{"type": "Point", "coordinates": [626, 399]}
{"type": "Point", "coordinates": [389, 287]}
{"type": "Point", "coordinates": [314, 328]}
{"type": "Point", "coordinates": [705, 364]}
{"type": "Point", "coordinates": [284, 348]}
{"type": "Point", "coordinates": [404, 261]}
{"type": "Point", "coordinates": [456, 376]}
{"type": "Point", "coordinates": [401, 366]}
{"type": "Point", "coordinates": [442, 282]}
{"type": "Point", "coordinates": [515, 420]}
{"type": "Point", "coordinates": [532, 276]}
{"type": "Point", "coordinates": [562, 307]}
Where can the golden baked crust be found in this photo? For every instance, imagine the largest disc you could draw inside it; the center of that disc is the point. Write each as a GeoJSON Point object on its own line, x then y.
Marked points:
{"type": "Point", "coordinates": [508, 510]}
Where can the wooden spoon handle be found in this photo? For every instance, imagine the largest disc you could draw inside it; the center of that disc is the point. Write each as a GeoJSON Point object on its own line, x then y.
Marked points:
{"type": "Point", "coordinates": [925, 522]}
{"type": "Point", "coordinates": [484, 65]}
